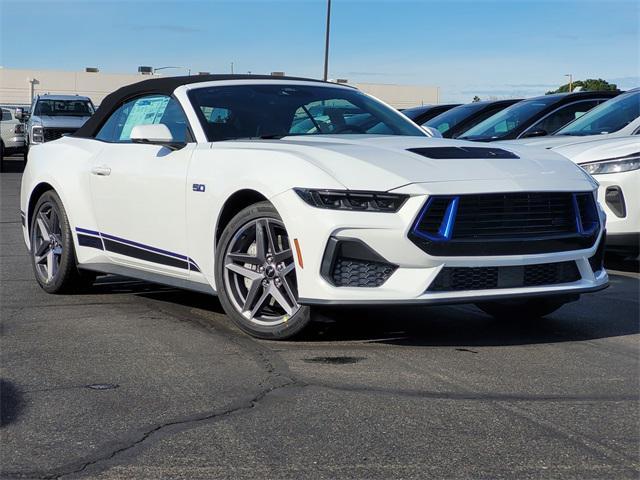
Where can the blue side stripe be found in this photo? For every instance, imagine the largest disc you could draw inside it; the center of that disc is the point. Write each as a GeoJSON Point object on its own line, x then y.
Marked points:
{"type": "Point", "coordinates": [142, 245]}
{"type": "Point", "coordinates": [189, 260]}
{"type": "Point", "coordinates": [84, 230]}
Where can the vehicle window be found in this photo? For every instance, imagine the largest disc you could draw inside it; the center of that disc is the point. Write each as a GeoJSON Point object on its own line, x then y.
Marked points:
{"type": "Point", "coordinates": [147, 110]}
{"type": "Point", "coordinates": [257, 111]}
{"type": "Point", "coordinates": [507, 120]}
{"type": "Point", "coordinates": [6, 115]}
{"type": "Point", "coordinates": [564, 115]}
{"type": "Point", "coordinates": [66, 108]}
{"type": "Point", "coordinates": [607, 117]}
{"type": "Point", "coordinates": [449, 119]}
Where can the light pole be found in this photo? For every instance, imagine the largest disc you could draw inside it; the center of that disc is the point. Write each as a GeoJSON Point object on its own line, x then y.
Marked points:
{"type": "Point", "coordinates": [326, 43]}
{"type": "Point", "coordinates": [164, 68]}
{"type": "Point", "coordinates": [570, 81]}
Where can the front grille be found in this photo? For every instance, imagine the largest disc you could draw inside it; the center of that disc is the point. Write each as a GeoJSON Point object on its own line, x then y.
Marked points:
{"type": "Point", "coordinates": [350, 272]}
{"type": "Point", "coordinates": [597, 260]}
{"type": "Point", "coordinates": [454, 279]}
{"type": "Point", "coordinates": [506, 223]}
{"type": "Point", "coordinates": [55, 133]}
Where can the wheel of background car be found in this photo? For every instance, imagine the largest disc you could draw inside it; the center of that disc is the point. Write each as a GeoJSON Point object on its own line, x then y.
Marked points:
{"type": "Point", "coordinates": [1, 156]}
{"type": "Point", "coordinates": [514, 310]}
{"type": "Point", "coordinates": [256, 277]}
{"type": "Point", "coordinates": [349, 128]}
{"type": "Point", "coordinates": [52, 252]}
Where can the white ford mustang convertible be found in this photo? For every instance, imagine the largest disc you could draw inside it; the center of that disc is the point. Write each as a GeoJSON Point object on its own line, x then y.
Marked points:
{"type": "Point", "coordinates": [283, 195]}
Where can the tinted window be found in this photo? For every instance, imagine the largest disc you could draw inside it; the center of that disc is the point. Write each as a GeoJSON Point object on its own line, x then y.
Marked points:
{"type": "Point", "coordinates": [148, 110]}
{"type": "Point", "coordinates": [504, 122]}
{"type": "Point", "coordinates": [254, 111]}
{"type": "Point", "coordinates": [445, 121]}
{"type": "Point", "coordinates": [608, 117]}
{"type": "Point", "coordinates": [6, 115]}
{"type": "Point", "coordinates": [563, 115]}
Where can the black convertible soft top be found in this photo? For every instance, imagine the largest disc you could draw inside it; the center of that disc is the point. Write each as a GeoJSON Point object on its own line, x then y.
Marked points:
{"type": "Point", "coordinates": [162, 86]}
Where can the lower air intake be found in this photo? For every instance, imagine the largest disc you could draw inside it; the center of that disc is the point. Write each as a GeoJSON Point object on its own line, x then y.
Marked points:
{"type": "Point", "coordinates": [455, 279]}
{"type": "Point", "coordinates": [349, 272]}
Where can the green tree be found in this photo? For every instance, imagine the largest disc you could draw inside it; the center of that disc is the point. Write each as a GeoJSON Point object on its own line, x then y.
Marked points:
{"type": "Point", "coordinates": [476, 99]}
{"type": "Point", "coordinates": [590, 84]}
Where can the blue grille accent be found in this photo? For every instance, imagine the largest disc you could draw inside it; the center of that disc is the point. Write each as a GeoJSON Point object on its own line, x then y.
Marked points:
{"type": "Point", "coordinates": [506, 223]}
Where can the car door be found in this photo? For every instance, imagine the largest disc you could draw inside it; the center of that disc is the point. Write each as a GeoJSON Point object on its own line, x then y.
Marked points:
{"type": "Point", "coordinates": [138, 189]}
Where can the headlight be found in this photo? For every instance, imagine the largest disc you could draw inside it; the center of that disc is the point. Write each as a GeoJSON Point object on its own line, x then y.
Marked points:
{"type": "Point", "coordinates": [352, 200]}
{"type": "Point", "coordinates": [613, 165]}
{"type": "Point", "coordinates": [37, 134]}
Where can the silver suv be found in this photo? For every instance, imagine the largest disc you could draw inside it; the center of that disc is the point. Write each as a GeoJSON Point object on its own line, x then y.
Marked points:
{"type": "Point", "coordinates": [52, 116]}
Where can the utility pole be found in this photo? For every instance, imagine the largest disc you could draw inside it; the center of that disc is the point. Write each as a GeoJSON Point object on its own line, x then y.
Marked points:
{"type": "Point", "coordinates": [570, 81]}
{"type": "Point", "coordinates": [326, 43]}
{"type": "Point", "coordinates": [231, 68]}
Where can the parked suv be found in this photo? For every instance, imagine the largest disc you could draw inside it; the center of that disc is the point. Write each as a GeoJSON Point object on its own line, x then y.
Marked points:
{"type": "Point", "coordinates": [11, 135]}
{"type": "Point", "coordinates": [52, 116]}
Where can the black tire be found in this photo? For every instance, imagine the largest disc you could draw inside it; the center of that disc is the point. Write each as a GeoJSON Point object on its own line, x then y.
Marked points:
{"type": "Point", "coordinates": [531, 309]}
{"type": "Point", "coordinates": [25, 153]}
{"type": "Point", "coordinates": [1, 156]}
{"type": "Point", "coordinates": [67, 277]}
{"type": "Point", "coordinates": [229, 287]}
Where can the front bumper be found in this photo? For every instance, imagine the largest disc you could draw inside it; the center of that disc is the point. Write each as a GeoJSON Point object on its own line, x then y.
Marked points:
{"type": "Point", "coordinates": [387, 235]}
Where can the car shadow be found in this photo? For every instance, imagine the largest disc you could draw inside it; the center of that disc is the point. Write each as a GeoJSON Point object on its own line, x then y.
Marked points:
{"type": "Point", "coordinates": [456, 326]}
{"type": "Point", "coordinates": [11, 402]}
{"type": "Point", "coordinates": [13, 164]}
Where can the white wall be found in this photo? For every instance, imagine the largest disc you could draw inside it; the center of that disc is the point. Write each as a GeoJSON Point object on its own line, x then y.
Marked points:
{"type": "Point", "coordinates": [15, 87]}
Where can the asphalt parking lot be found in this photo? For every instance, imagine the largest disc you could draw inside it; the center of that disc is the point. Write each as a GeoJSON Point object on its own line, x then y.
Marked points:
{"type": "Point", "coordinates": [135, 380]}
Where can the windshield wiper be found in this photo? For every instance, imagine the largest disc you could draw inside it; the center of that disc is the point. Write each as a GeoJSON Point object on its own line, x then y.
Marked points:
{"type": "Point", "coordinates": [273, 136]}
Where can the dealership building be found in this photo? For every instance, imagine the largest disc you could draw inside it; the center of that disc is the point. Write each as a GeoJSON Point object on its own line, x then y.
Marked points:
{"type": "Point", "coordinates": [18, 87]}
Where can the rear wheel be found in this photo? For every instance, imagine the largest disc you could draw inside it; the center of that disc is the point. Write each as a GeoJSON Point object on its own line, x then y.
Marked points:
{"type": "Point", "coordinates": [52, 252]}
{"type": "Point", "coordinates": [256, 277]}
{"type": "Point", "coordinates": [2, 156]}
{"type": "Point", "coordinates": [524, 309]}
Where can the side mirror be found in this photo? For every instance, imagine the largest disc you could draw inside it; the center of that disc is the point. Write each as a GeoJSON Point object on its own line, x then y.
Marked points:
{"type": "Point", "coordinates": [21, 114]}
{"type": "Point", "coordinates": [535, 133]}
{"type": "Point", "coordinates": [157, 134]}
{"type": "Point", "coordinates": [432, 132]}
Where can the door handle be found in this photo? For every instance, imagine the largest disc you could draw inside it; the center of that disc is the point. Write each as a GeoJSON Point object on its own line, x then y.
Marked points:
{"type": "Point", "coordinates": [102, 171]}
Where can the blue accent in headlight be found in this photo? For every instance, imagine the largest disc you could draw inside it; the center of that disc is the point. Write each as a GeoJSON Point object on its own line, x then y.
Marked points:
{"type": "Point", "coordinates": [445, 230]}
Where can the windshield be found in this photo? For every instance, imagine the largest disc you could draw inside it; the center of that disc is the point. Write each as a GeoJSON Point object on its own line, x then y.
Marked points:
{"type": "Point", "coordinates": [607, 117]}
{"type": "Point", "coordinates": [275, 111]}
{"type": "Point", "coordinates": [449, 119]}
{"type": "Point", "coordinates": [504, 122]}
{"type": "Point", "coordinates": [67, 108]}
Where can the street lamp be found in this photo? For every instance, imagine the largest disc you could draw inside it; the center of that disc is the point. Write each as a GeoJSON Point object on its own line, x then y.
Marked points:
{"type": "Point", "coordinates": [570, 81]}
{"type": "Point", "coordinates": [164, 68]}
{"type": "Point", "coordinates": [326, 43]}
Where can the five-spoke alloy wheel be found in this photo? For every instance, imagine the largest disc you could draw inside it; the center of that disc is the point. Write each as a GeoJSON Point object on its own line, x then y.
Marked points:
{"type": "Point", "coordinates": [52, 253]}
{"type": "Point", "coordinates": [256, 277]}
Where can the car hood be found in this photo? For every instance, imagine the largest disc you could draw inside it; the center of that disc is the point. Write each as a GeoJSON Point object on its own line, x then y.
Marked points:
{"type": "Point", "coordinates": [601, 149]}
{"type": "Point", "coordinates": [59, 121]}
{"type": "Point", "coordinates": [383, 163]}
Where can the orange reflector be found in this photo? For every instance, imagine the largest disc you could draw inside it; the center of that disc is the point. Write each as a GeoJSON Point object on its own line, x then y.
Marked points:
{"type": "Point", "coordinates": [299, 252]}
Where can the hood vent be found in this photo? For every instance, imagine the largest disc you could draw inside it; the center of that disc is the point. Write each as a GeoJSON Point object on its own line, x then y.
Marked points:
{"type": "Point", "coordinates": [463, 152]}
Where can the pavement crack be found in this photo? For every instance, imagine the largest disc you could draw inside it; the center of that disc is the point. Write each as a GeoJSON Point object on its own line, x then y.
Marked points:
{"type": "Point", "coordinates": [236, 408]}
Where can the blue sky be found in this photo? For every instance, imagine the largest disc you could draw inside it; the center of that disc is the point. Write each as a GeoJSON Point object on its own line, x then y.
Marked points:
{"type": "Point", "coordinates": [488, 48]}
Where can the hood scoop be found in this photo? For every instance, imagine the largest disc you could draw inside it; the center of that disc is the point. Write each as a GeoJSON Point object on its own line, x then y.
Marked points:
{"type": "Point", "coordinates": [462, 152]}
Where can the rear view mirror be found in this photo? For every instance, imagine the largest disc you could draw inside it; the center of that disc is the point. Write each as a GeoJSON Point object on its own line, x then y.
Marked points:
{"type": "Point", "coordinates": [535, 133]}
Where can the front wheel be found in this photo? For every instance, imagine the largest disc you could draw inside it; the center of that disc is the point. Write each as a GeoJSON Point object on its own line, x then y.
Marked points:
{"type": "Point", "coordinates": [52, 252]}
{"type": "Point", "coordinates": [524, 309]}
{"type": "Point", "coordinates": [256, 276]}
